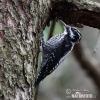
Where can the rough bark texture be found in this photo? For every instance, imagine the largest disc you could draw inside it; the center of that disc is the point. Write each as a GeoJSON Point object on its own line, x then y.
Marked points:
{"type": "Point", "coordinates": [77, 12]}
{"type": "Point", "coordinates": [21, 24]}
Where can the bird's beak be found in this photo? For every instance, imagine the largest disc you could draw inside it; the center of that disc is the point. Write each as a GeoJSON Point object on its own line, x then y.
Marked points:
{"type": "Point", "coordinates": [64, 25]}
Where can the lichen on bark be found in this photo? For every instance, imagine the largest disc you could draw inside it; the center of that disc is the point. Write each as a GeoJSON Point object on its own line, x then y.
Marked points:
{"type": "Point", "coordinates": [21, 23]}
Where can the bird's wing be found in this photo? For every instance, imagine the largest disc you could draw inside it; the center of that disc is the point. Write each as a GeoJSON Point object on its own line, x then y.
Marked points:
{"type": "Point", "coordinates": [53, 42]}
{"type": "Point", "coordinates": [50, 48]}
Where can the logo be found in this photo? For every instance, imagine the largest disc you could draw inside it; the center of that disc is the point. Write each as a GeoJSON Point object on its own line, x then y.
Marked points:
{"type": "Point", "coordinates": [76, 93]}
{"type": "Point", "coordinates": [68, 91]}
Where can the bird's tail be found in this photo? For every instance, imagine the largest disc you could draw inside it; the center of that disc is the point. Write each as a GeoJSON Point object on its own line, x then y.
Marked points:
{"type": "Point", "coordinates": [36, 83]}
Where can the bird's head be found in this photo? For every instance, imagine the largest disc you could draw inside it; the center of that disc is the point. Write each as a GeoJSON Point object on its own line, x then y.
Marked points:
{"type": "Point", "coordinates": [73, 33]}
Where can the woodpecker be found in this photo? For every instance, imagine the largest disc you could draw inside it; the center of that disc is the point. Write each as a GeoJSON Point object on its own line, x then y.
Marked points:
{"type": "Point", "coordinates": [56, 49]}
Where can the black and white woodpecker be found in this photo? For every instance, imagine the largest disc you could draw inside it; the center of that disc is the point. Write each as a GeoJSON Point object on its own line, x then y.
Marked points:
{"type": "Point", "coordinates": [56, 49]}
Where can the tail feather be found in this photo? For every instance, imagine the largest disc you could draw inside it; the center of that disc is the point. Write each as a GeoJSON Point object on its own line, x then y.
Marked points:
{"type": "Point", "coordinates": [38, 80]}
{"type": "Point", "coordinates": [36, 83]}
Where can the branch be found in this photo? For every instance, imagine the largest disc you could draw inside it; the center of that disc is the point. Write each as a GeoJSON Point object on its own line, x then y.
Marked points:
{"type": "Point", "coordinates": [88, 62]}
{"type": "Point", "coordinates": [52, 29]}
{"type": "Point", "coordinates": [77, 11]}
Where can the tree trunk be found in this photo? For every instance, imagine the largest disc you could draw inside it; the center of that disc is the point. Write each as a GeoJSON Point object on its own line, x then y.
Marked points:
{"type": "Point", "coordinates": [21, 23]}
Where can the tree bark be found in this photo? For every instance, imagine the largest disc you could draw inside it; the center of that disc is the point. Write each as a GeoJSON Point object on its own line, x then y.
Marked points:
{"type": "Point", "coordinates": [21, 25]}
{"type": "Point", "coordinates": [76, 12]}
